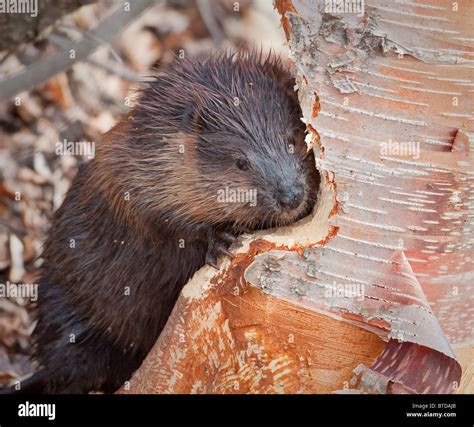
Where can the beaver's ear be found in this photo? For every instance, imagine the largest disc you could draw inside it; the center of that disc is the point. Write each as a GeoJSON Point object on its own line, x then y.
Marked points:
{"type": "Point", "coordinates": [284, 77]}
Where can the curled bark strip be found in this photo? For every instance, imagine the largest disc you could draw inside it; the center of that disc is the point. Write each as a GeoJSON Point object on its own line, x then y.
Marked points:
{"type": "Point", "coordinates": [390, 303]}
{"type": "Point", "coordinates": [405, 367]}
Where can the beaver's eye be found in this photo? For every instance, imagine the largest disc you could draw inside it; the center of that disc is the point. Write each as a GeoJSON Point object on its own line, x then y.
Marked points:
{"type": "Point", "coordinates": [242, 164]}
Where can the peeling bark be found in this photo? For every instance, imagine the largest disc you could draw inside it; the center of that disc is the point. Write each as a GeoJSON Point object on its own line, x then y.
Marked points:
{"type": "Point", "coordinates": [394, 228]}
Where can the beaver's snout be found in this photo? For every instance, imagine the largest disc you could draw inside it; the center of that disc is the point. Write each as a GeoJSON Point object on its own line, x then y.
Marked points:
{"type": "Point", "coordinates": [291, 198]}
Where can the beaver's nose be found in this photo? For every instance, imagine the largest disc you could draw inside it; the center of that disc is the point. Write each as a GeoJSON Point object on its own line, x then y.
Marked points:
{"type": "Point", "coordinates": [292, 198]}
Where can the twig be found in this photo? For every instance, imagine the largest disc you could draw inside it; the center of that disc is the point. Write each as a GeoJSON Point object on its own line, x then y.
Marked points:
{"type": "Point", "coordinates": [114, 68]}
{"type": "Point", "coordinates": [43, 69]}
{"type": "Point", "coordinates": [18, 233]}
{"type": "Point", "coordinates": [93, 37]}
{"type": "Point", "coordinates": [207, 14]}
{"type": "Point", "coordinates": [120, 71]}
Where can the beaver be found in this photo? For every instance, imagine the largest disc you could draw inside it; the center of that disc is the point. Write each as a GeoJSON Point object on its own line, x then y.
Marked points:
{"type": "Point", "coordinates": [144, 215]}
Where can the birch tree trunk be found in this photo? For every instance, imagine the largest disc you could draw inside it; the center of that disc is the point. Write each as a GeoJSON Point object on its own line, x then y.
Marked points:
{"type": "Point", "coordinates": [375, 291]}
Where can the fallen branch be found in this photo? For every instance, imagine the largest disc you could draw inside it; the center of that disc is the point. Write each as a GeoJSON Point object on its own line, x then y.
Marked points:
{"type": "Point", "coordinates": [47, 67]}
{"type": "Point", "coordinates": [115, 68]}
{"type": "Point", "coordinates": [206, 10]}
{"type": "Point", "coordinates": [19, 28]}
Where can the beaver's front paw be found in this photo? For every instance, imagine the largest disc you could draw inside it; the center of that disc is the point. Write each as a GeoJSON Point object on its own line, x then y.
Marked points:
{"type": "Point", "coordinates": [218, 244]}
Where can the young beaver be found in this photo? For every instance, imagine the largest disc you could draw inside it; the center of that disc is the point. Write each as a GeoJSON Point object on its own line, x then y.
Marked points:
{"type": "Point", "coordinates": [143, 216]}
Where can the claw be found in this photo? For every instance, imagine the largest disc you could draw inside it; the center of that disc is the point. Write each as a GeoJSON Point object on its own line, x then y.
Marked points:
{"type": "Point", "coordinates": [228, 237]}
{"type": "Point", "coordinates": [211, 260]}
{"type": "Point", "coordinates": [213, 265]}
{"type": "Point", "coordinates": [221, 249]}
{"type": "Point", "coordinates": [218, 245]}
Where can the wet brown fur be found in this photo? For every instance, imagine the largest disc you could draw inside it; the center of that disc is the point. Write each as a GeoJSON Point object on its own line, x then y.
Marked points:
{"type": "Point", "coordinates": [114, 264]}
